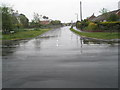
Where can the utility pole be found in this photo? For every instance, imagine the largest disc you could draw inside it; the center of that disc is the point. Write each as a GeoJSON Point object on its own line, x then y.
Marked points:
{"type": "Point", "coordinates": [80, 10]}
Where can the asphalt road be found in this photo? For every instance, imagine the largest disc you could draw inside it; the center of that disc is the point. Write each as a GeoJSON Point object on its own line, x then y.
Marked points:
{"type": "Point", "coordinates": [59, 59]}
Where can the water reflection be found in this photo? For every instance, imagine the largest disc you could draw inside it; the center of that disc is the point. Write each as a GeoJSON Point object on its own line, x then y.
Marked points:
{"type": "Point", "coordinates": [8, 47]}
{"type": "Point", "coordinates": [88, 41]}
{"type": "Point", "coordinates": [60, 58]}
{"type": "Point", "coordinates": [37, 43]}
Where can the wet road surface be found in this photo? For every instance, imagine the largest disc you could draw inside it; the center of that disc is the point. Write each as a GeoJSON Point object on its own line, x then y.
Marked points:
{"type": "Point", "coordinates": [60, 59]}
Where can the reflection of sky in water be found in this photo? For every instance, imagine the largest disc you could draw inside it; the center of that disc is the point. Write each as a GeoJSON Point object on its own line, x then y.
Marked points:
{"type": "Point", "coordinates": [55, 41]}
{"type": "Point", "coordinates": [60, 56]}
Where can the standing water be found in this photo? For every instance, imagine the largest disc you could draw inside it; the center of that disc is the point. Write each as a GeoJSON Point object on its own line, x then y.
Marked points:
{"type": "Point", "coordinates": [60, 59]}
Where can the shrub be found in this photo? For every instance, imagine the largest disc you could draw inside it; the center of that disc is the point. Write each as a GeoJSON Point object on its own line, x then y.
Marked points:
{"type": "Point", "coordinates": [92, 26]}
{"type": "Point", "coordinates": [113, 17]}
{"type": "Point", "coordinates": [78, 25]}
{"type": "Point", "coordinates": [82, 24]}
{"type": "Point", "coordinates": [109, 26]}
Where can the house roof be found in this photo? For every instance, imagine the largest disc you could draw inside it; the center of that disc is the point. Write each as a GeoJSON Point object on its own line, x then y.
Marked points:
{"type": "Point", "coordinates": [103, 16]}
{"type": "Point", "coordinates": [118, 13]}
{"type": "Point", "coordinates": [99, 18]}
{"type": "Point", "coordinates": [92, 17]}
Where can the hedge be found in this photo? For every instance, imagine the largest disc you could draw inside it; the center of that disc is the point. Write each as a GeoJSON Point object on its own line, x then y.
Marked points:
{"type": "Point", "coordinates": [106, 26]}
{"type": "Point", "coordinates": [99, 26]}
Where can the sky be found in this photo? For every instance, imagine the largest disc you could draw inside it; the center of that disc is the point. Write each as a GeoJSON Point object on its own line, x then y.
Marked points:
{"type": "Point", "coordinates": [64, 10]}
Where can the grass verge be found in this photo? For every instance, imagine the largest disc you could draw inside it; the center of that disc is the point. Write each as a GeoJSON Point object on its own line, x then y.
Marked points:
{"type": "Point", "coordinates": [98, 35]}
{"type": "Point", "coordinates": [24, 34]}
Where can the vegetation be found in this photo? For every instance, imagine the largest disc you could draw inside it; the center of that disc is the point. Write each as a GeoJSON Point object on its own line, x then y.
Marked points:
{"type": "Point", "coordinates": [14, 24]}
{"type": "Point", "coordinates": [6, 19]}
{"type": "Point", "coordinates": [109, 26]}
{"type": "Point", "coordinates": [111, 22]}
{"type": "Point", "coordinates": [91, 26]}
{"type": "Point", "coordinates": [98, 35]}
{"type": "Point", "coordinates": [99, 26]}
{"type": "Point", "coordinates": [55, 22]}
{"type": "Point", "coordinates": [24, 20]}
{"type": "Point", "coordinates": [103, 11]}
{"type": "Point", "coordinates": [12, 21]}
{"type": "Point", "coordinates": [45, 17]}
{"type": "Point", "coordinates": [23, 34]}
{"type": "Point", "coordinates": [113, 17]}
{"type": "Point", "coordinates": [82, 24]}
{"type": "Point", "coordinates": [36, 22]}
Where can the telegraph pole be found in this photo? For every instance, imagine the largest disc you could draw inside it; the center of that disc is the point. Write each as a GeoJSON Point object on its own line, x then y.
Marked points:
{"type": "Point", "coordinates": [80, 10]}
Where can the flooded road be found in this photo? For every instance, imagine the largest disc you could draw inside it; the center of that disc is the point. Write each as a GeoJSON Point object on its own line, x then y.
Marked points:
{"type": "Point", "coordinates": [60, 59]}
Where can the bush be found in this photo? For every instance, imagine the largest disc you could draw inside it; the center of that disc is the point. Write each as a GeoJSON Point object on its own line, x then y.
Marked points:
{"type": "Point", "coordinates": [56, 22]}
{"type": "Point", "coordinates": [99, 26]}
{"type": "Point", "coordinates": [92, 26]}
{"type": "Point", "coordinates": [109, 26]}
{"type": "Point", "coordinates": [78, 25]}
{"type": "Point", "coordinates": [113, 17]}
{"type": "Point", "coordinates": [82, 24]}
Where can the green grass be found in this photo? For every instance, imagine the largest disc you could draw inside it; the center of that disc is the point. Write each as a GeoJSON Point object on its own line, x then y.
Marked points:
{"type": "Point", "coordinates": [98, 35]}
{"type": "Point", "coordinates": [24, 34]}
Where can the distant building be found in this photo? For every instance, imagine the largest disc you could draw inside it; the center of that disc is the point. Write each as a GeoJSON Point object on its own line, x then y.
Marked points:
{"type": "Point", "coordinates": [91, 17]}
{"type": "Point", "coordinates": [119, 5]}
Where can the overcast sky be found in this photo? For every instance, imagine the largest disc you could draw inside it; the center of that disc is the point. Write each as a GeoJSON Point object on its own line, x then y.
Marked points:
{"type": "Point", "coordinates": [63, 10]}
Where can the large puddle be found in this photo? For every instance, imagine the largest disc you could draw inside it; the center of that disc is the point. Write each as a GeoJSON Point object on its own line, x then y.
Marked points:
{"type": "Point", "coordinates": [60, 59]}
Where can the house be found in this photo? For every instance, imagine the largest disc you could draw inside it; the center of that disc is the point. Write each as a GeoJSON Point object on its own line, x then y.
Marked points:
{"type": "Point", "coordinates": [91, 17]}
{"type": "Point", "coordinates": [103, 17]}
